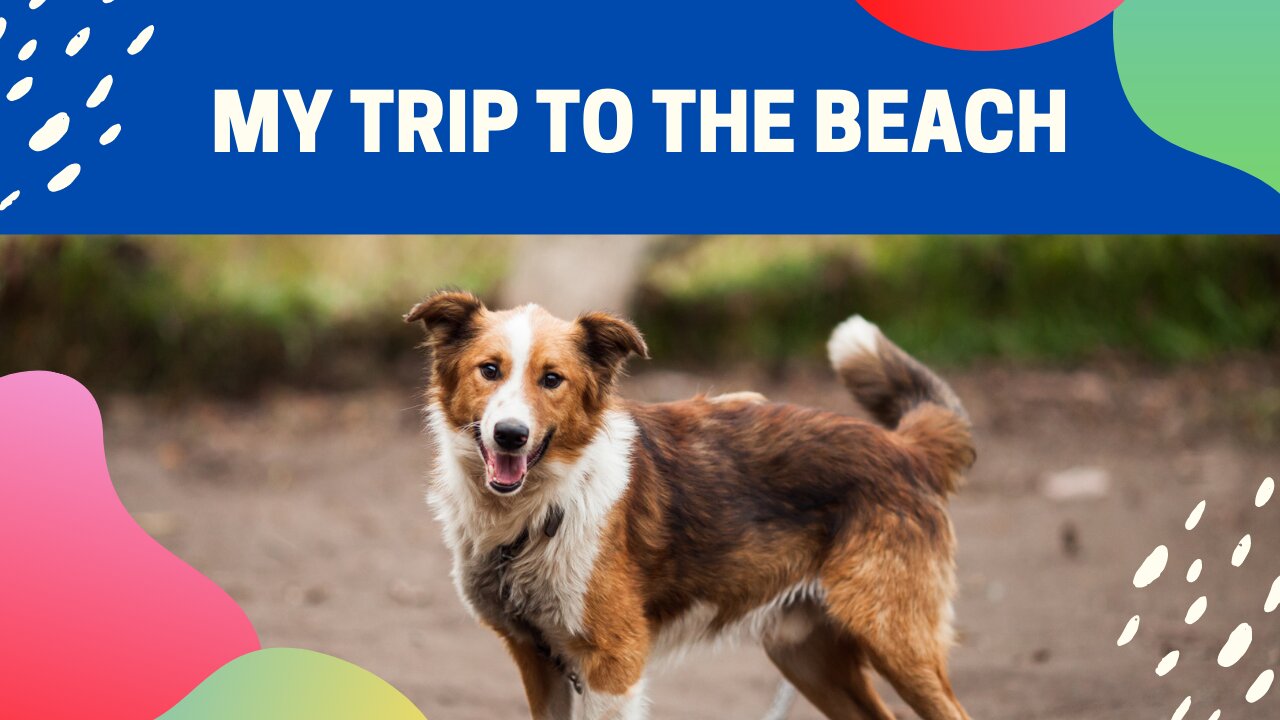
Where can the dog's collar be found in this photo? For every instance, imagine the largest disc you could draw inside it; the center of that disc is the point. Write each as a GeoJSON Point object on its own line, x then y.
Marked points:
{"type": "Point", "coordinates": [555, 516]}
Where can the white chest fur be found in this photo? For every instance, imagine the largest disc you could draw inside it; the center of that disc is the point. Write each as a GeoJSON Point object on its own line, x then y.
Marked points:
{"type": "Point", "coordinates": [546, 584]}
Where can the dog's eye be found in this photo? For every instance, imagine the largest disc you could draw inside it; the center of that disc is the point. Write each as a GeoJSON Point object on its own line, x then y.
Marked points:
{"type": "Point", "coordinates": [551, 381]}
{"type": "Point", "coordinates": [489, 371]}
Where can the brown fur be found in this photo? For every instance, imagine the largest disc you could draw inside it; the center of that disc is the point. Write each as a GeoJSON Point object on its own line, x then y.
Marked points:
{"type": "Point", "coordinates": [902, 394]}
{"type": "Point", "coordinates": [544, 686]}
{"type": "Point", "coordinates": [732, 500]}
{"type": "Point", "coordinates": [615, 652]}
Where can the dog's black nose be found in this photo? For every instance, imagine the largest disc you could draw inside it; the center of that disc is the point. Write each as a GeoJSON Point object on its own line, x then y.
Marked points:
{"type": "Point", "coordinates": [510, 434]}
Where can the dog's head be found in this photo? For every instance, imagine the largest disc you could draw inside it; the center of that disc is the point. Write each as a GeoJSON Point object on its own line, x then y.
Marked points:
{"type": "Point", "coordinates": [528, 386]}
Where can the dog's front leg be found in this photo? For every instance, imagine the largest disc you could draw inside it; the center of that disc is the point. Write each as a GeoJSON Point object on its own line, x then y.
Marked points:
{"type": "Point", "coordinates": [630, 705]}
{"type": "Point", "coordinates": [549, 693]}
{"type": "Point", "coordinates": [614, 678]}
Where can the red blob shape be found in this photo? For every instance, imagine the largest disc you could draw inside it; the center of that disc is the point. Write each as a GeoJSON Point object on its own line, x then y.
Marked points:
{"type": "Point", "coordinates": [97, 620]}
{"type": "Point", "coordinates": [988, 24]}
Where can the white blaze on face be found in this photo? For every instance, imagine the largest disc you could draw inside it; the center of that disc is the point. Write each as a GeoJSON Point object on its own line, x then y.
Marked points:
{"type": "Point", "coordinates": [509, 402]}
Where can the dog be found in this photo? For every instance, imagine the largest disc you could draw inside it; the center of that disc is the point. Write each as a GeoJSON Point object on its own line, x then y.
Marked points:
{"type": "Point", "coordinates": [597, 535]}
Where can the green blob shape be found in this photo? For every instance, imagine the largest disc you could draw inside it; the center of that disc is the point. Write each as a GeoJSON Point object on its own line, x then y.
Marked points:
{"type": "Point", "coordinates": [1205, 75]}
{"type": "Point", "coordinates": [288, 683]}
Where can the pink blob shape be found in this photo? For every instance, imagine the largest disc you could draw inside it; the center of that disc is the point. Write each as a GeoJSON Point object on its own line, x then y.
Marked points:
{"type": "Point", "coordinates": [988, 24]}
{"type": "Point", "coordinates": [97, 620]}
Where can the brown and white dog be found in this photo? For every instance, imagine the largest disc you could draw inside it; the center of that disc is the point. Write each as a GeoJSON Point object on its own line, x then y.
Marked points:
{"type": "Point", "coordinates": [596, 535]}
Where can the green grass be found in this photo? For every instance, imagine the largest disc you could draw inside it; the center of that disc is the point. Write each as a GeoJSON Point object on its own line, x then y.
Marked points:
{"type": "Point", "coordinates": [958, 299]}
{"type": "Point", "coordinates": [223, 315]}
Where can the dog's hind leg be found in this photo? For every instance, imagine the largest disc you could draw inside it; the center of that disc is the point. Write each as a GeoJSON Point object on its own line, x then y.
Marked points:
{"type": "Point", "coordinates": [831, 670]}
{"type": "Point", "coordinates": [922, 681]}
{"type": "Point", "coordinates": [900, 612]}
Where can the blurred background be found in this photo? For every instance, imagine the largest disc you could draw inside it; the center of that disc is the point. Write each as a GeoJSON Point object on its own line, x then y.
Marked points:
{"type": "Point", "coordinates": [261, 399]}
{"type": "Point", "coordinates": [234, 315]}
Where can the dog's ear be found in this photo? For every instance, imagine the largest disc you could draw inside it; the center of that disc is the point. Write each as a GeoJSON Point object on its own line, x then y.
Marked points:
{"type": "Point", "coordinates": [448, 316]}
{"type": "Point", "coordinates": [608, 341]}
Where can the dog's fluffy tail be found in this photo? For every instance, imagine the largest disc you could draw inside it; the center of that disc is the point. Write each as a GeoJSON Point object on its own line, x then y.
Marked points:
{"type": "Point", "coordinates": [904, 396]}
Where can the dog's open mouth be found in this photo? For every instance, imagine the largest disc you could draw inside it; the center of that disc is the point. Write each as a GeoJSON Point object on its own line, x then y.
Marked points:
{"type": "Point", "coordinates": [506, 472]}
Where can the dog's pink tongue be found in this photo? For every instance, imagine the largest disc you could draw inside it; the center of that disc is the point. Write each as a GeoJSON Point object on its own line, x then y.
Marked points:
{"type": "Point", "coordinates": [509, 469]}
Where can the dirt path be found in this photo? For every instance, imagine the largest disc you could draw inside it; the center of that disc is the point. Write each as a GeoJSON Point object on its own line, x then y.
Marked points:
{"type": "Point", "coordinates": [308, 510]}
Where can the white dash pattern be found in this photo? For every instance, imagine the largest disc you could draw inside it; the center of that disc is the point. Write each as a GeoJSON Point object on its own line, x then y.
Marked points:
{"type": "Point", "coordinates": [50, 133]}
{"type": "Point", "coordinates": [1130, 629]}
{"type": "Point", "coordinates": [1196, 611]}
{"type": "Point", "coordinates": [20, 89]}
{"type": "Point", "coordinates": [141, 41]}
{"type": "Point", "coordinates": [1236, 646]}
{"type": "Point", "coordinates": [1242, 550]}
{"type": "Point", "coordinates": [64, 178]}
{"type": "Point", "coordinates": [1151, 568]}
{"type": "Point", "coordinates": [1265, 491]}
{"type": "Point", "coordinates": [76, 44]}
{"type": "Point", "coordinates": [1260, 686]}
{"type": "Point", "coordinates": [1194, 518]}
{"type": "Point", "coordinates": [1168, 663]}
{"type": "Point", "coordinates": [100, 92]}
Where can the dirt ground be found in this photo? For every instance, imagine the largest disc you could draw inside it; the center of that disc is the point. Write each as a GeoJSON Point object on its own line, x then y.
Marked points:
{"type": "Point", "coordinates": [308, 510]}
